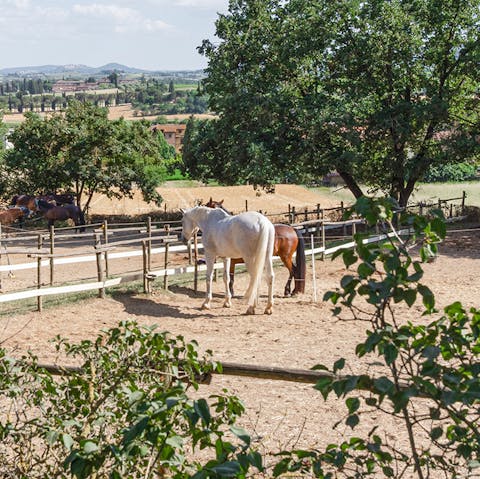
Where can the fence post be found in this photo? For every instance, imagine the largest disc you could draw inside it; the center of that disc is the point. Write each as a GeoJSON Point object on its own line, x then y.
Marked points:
{"type": "Point", "coordinates": [464, 196]}
{"type": "Point", "coordinates": [292, 215]}
{"type": "Point", "coordinates": [314, 279]}
{"type": "Point", "coordinates": [167, 250]}
{"type": "Point", "coordinates": [145, 266]}
{"type": "Point", "coordinates": [306, 213]}
{"type": "Point", "coordinates": [149, 245]}
{"type": "Point", "coordinates": [105, 241]}
{"type": "Point", "coordinates": [101, 290]}
{"type": "Point", "coordinates": [318, 211]}
{"type": "Point", "coordinates": [39, 283]}
{"type": "Point", "coordinates": [323, 240]}
{"type": "Point", "coordinates": [52, 250]}
{"type": "Point", "coordinates": [246, 205]}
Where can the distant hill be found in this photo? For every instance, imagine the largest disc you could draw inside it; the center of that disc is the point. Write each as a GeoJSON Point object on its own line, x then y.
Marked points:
{"type": "Point", "coordinates": [53, 70]}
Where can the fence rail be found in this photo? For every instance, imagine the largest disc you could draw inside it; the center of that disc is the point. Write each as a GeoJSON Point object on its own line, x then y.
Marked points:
{"type": "Point", "coordinates": [150, 239]}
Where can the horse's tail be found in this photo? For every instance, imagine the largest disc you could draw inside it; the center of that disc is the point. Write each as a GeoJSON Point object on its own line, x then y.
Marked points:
{"type": "Point", "coordinates": [264, 248]}
{"type": "Point", "coordinates": [300, 265]}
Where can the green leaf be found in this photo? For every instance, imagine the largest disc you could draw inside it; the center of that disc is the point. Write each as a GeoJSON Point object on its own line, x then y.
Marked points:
{"type": "Point", "coordinates": [227, 469]}
{"type": "Point", "coordinates": [202, 409]}
{"type": "Point", "coordinates": [352, 420]}
{"type": "Point", "coordinates": [349, 258]}
{"type": "Point", "coordinates": [89, 447]}
{"type": "Point", "coordinates": [383, 385]}
{"type": "Point", "coordinates": [428, 297]}
{"type": "Point", "coordinates": [67, 441]}
{"type": "Point", "coordinates": [241, 434]}
{"type": "Point", "coordinates": [436, 433]}
{"type": "Point", "coordinates": [352, 404]}
{"type": "Point", "coordinates": [339, 365]}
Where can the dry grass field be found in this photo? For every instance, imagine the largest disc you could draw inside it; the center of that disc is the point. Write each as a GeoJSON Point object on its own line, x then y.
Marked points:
{"type": "Point", "coordinates": [125, 111]}
{"type": "Point", "coordinates": [236, 199]}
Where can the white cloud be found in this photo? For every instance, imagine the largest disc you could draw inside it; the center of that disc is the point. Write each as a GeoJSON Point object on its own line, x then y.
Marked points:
{"type": "Point", "coordinates": [200, 4]}
{"type": "Point", "coordinates": [125, 19]}
{"type": "Point", "coordinates": [20, 4]}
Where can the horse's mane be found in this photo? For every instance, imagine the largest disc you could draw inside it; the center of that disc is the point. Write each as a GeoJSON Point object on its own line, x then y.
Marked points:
{"type": "Point", "coordinates": [45, 204]}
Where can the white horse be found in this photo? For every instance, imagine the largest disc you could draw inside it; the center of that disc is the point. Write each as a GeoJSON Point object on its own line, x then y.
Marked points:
{"type": "Point", "coordinates": [248, 235]}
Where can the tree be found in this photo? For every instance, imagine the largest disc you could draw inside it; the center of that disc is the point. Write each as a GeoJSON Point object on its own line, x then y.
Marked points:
{"type": "Point", "coordinates": [378, 90]}
{"type": "Point", "coordinates": [429, 383]}
{"type": "Point", "coordinates": [84, 151]}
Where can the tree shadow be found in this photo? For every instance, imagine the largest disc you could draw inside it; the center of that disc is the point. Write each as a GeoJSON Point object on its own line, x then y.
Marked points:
{"type": "Point", "coordinates": [138, 306]}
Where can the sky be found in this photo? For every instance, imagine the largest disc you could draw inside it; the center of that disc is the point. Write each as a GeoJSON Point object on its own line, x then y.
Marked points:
{"type": "Point", "coordinates": [147, 34]}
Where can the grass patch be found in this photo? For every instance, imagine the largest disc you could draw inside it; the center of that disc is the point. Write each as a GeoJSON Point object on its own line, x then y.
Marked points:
{"type": "Point", "coordinates": [430, 192]}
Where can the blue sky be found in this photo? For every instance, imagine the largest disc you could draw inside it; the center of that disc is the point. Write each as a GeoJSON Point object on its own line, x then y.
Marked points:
{"type": "Point", "coordinates": [150, 34]}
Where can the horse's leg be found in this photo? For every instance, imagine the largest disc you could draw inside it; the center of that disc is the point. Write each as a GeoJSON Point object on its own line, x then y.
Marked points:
{"type": "Point", "coordinates": [210, 262]}
{"type": "Point", "coordinates": [269, 270]}
{"type": "Point", "coordinates": [228, 294]}
{"type": "Point", "coordinates": [233, 263]}
{"type": "Point", "coordinates": [270, 277]}
{"type": "Point", "coordinates": [252, 292]}
{"type": "Point", "coordinates": [287, 261]}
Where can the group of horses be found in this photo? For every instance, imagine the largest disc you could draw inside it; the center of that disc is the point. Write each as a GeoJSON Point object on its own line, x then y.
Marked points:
{"type": "Point", "coordinates": [248, 238]}
{"type": "Point", "coordinates": [51, 206]}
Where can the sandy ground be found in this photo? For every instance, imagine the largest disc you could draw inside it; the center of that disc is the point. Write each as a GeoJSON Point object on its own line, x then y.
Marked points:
{"type": "Point", "coordinates": [300, 333]}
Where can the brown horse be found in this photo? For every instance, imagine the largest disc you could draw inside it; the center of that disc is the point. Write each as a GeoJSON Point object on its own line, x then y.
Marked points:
{"type": "Point", "coordinates": [54, 213]}
{"type": "Point", "coordinates": [7, 217]}
{"type": "Point", "coordinates": [288, 240]}
{"type": "Point", "coordinates": [26, 201]}
{"type": "Point", "coordinates": [60, 199]}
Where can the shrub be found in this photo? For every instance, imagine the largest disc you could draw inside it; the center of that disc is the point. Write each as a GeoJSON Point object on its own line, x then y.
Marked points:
{"type": "Point", "coordinates": [451, 172]}
{"type": "Point", "coordinates": [123, 413]}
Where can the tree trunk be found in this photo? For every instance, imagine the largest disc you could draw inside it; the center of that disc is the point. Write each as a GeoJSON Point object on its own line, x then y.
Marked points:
{"type": "Point", "coordinates": [352, 185]}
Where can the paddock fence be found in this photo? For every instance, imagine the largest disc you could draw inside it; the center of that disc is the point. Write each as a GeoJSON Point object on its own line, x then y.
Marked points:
{"type": "Point", "coordinates": [40, 263]}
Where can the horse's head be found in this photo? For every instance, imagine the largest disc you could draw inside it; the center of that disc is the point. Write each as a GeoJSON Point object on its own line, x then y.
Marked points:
{"type": "Point", "coordinates": [189, 224]}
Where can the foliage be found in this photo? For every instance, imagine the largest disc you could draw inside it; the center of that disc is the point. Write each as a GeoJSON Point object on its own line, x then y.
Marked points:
{"type": "Point", "coordinates": [125, 412]}
{"type": "Point", "coordinates": [457, 172]}
{"type": "Point", "coordinates": [83, 151]}
{"type": "Point", "coordinates": [377, 90]}
{"type": "Point", "coordinates": [430, 380]}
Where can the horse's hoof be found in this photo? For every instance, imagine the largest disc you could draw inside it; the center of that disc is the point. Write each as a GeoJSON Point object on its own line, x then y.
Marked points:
{"type": "Point", "coordinates": [268, 310]}
{"type": "Point", "coordinates": [250, 310]}
{"type": "Point", "coordinates": [227, 304]}
{"type": "Point", "coordinates": [205, 306]}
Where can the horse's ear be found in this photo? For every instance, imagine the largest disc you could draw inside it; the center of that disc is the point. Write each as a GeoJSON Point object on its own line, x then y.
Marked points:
{"type": "Point", "coordinates": [220, 203]}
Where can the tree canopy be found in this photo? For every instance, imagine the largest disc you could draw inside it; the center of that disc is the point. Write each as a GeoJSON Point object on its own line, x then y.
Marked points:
{"type": "Point", "coordinates": [83, 151]}
{"type": "Point", "coordinates": [378, 90]}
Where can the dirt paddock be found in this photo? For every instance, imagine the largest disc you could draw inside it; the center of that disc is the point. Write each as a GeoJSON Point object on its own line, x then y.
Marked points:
{"type": "Point", "coordinates": [300, 333]}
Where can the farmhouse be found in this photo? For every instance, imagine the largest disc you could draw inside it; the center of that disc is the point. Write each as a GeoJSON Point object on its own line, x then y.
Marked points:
{"type": "Point", "coordinates": [173, 134]}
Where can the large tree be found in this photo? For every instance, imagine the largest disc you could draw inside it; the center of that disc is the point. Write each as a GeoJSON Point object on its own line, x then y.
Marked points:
{"type": "Point", "coordinates": [378, 90]}
{"type": "Point", "coordinates": [83, 151]}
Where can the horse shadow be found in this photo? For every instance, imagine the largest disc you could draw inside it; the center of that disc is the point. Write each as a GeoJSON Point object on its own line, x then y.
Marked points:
{"type": "Point", "coordinates": [144, 306]}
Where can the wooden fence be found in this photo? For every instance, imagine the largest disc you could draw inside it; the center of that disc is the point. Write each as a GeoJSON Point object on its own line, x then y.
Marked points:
{"type": "Point", "coordinates": [147, 240]}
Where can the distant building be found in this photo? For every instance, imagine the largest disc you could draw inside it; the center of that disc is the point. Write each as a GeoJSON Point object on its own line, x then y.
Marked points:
{"type": "Point", "coordinates": [173, 134]}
